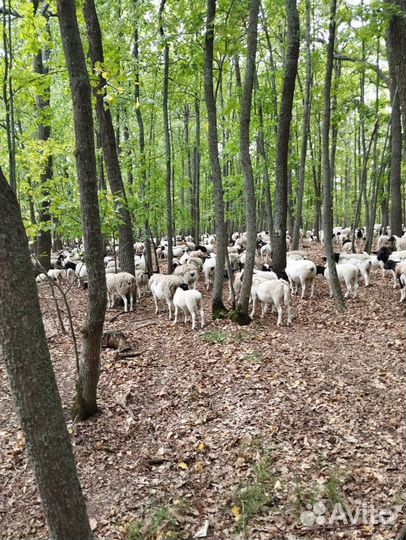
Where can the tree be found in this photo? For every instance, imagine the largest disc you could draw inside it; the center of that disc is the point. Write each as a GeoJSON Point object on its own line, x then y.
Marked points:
{"type": "Point", "coordinates": [282, 144]}
{"type": "Point", "coordinates": [221, 235]}
{"type": "Point", "coordinates": [245, 118]}
{"type": "Point", "coordinates": [395, 37]}
{"type": "Point", "coordinates": [44, 241]}
{"type": "Point", "coordinates": [89, 368]}
{"type": "Point", "coordinates": [168, 180]}
{"type": "Point", "coordinates": [108, 139]}
{"type": "Point", "coordinates": [305, 134]}
{"type": "Point", "coordinates": [327, 193]}
{"type": "Point", "coordinates": [24, 349]}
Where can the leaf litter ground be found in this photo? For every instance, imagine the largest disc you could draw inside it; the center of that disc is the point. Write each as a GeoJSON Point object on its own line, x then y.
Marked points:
{"type": "Point", "coordinates": [232, 432]}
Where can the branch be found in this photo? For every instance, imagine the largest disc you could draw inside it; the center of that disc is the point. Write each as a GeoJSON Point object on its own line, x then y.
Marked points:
{"type": "Point", "coordinates": [380, 73]}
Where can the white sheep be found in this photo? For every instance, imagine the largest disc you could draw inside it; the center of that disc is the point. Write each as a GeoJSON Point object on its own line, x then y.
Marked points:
{"type": "Point", "coordinates": [301, 271]}
{"type": "Point", "coordinates": [81, 273]}
{"type": "Point", "coordinates": [163, 287]}
{"type": "Point", "coordinates": [189, 273]}
{"type": "Point", "coordinates": [55, 274]}
{"type": "Point", "coordinates": [348, 274]}
{"type": "Point", "coordinates": [120, 284]}
{"type": "Point", "coordinates": [141, 281]}
{"type": "Point", "coordinates": [188, 300]}
{"type": "Point", "coordinates": [139, 263]}
{"type": "Point", "coordinates": [272, 292]}
{"type": "Point", "coordinates": [113, 270]}
{"type": "Point", "coordinates": [362, 261]}
{"type": "Point", "coordinates": [209, 267]}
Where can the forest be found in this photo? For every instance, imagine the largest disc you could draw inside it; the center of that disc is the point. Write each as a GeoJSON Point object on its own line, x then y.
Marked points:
{"type": "Point", "coordinates": [202, 269]}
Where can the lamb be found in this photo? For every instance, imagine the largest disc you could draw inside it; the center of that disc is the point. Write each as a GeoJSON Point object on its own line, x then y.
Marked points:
{"type": "Point", "coordinates": [141, 282]}
{"type": "Point", "coordinates": [196, 261]}
{"type": "Point", "coordinates": [300, 272]}
{"type": "Point", "coordinates": [81, 273]}
{"type": "Point", "coordinates": [113, 270]}
{"type": "Point", "coordinates": [189, 273]}
{"type": "Point", "coordinates": [348, 274]}
{"type": "Point", "coordinates": [362, 261]}
{"type": "Point", "coordinates": [209, 267]}
{"type": "Point", "coordinates": [163, 287]}
{"type": "Point", "coordinates": [188, 300]}
{"type": "Point", "coordinates": [55, 274]}
{"type": "Point", "coordinates": [272, 292]}
{"type": "Point", "coordinates": [120, 284]}
{"type": "Point", "coordinates": [139, 263]}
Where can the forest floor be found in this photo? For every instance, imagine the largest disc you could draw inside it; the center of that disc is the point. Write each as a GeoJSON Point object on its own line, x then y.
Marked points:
{"type": "Point", "coordinates": [251, 432]}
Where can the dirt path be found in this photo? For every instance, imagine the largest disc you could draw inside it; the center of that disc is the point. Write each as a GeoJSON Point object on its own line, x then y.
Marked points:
{"type": "Point", "coordinates": [247, 428]}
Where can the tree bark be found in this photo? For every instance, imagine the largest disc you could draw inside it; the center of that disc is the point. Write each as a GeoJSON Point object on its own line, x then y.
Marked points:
{"type": "Point", "coordinates": [108, 141]}
{"type": "Point", "coordinates": [221, 235]}
{"type": "Point", "coordinates": [249, 186]}
{"type": "Point", "coordinates": [282, 143]}
{"type": "Point", "coordinates": [396, 132]}
{"type": "Point", "coordinates": [89, 366]}
{"type": "Point", "coordinates": [141, 134]}
{"type": "Point", "coordinates": [24, 349]}
{"type": "Point", "coordinates": [168, 176]}
{"type": "Point", "coordinates": [327, 193]}
{"type": "Point", "coordinates": [305, 134]}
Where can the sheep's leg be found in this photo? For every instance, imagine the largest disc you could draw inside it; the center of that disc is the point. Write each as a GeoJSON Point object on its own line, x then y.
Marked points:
{"type": "Point", "coordinates": [176, 315]}
{"type": "Point", "coordinates": [312, 289]}
{"type": "Point", "coordinates": [263, 310]}
{"type": "Point", "coordinates": [185, 314]}
{"type": "Point", "coordinates": [201, 316]}
{"type": "Point", "coordinates": [394, 278]}
{"type": "Point", "coordinates": [289, 314]}
{"type": "Point", "coordinates": [123, 296]}
{"type": "Point", "coordinates": [131, 301]}
{"type": "Point", "coordinates": [193, 313]}
{"type": "Point", "coordinates": [156, 303]}
{"type": "Point", "coordinates": [303, 285]}
{"type": "Point", "coordinates": [367, 277]}
{"type": "Point", "coordinates": [169, 308]}
{"type": "Point", "coordinates": [355, 289]}
{"type": "Point", "coordinates": [254, 303]}
{"type": "Point", "coordinates": [279, 321]}
{"type": "Point", "coordinates": [349, 288]}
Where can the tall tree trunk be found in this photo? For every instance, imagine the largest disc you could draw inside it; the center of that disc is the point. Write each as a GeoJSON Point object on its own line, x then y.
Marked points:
{"type": "Point", "coordinates": [168, 179]}
{"type": "Point", "coordinates": [327, 193]}
{"type": "Point", "coordinates": [8, 95]}
{"type": "Point", "coordinates": [221, 235]}
{"type": "Point", "coordinates": [396, 136]}
{"type": "Point", "coordinates": [282, 143]}
{"type": "Point", "coordinates": [196, 175]}
{"type": "Point", "coordinates": [24, 350]}
{"type": "Point", "coordinates": [108, 140]}
{"type": "Point", "coordinates": [249, 186]}
{"type": "Point", "coordinates": [89, 367]}
{"type": "Point", "coordinates": [141, 135]}
{"type": "Point", "coordinates": [44, 240]}
{"type": "Point", "coordinates": [305, 134]}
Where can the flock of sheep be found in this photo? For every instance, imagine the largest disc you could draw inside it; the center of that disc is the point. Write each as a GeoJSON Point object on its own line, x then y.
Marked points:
{"type": "Point", "coordinates": [190, 261]}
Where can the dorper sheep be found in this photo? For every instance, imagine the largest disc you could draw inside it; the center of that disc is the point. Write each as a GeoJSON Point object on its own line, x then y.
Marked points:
{"type": "Point", "coordinates": [121, 284]}
{"type": "Point", "coordinates": [188, 300]}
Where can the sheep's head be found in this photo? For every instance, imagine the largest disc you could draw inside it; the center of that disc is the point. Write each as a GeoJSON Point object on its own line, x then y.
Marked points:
{"type": "Point", "coordinates": [184, 287]}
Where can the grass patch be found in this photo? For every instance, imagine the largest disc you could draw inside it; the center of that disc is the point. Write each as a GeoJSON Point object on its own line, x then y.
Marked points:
{"type": "Point", "coordinates": [255, 358]}
{"type": "Point", "coordinates": [214, 336]}
{"type": "Point", "coordinates": [160, 522]}
{"type": "Point", "coordinates": [255, 496]}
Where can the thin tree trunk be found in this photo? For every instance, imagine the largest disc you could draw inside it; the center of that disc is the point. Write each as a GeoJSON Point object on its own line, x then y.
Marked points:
{"type": "Point", "coordinates": [108, 140]}
{"type": "Point", "coordinates": [196, 175]}
{"type": "Point", "coordinates": [44, 240]}
{"type": "Point", "coordinates": [305, 134]}
{"type": "Point", "coordinates": [86, 398]}
{"type": "Point", "coordinates": [396, 139]}
{"type": "Point", "coordinates": [282, 143]}
{"type": "Point", "coordinates": [327, 193]}
{"type": "Point", "coordinates": [221, 234]}
{"type": "Point", "coordinates": [24, 350]}
{"type": "Point", "coordinates": [141, 134]}
{"type": "Point", "coordinates": [249, 186]}
{"type": "Point", "coordinates": [168, 180]}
